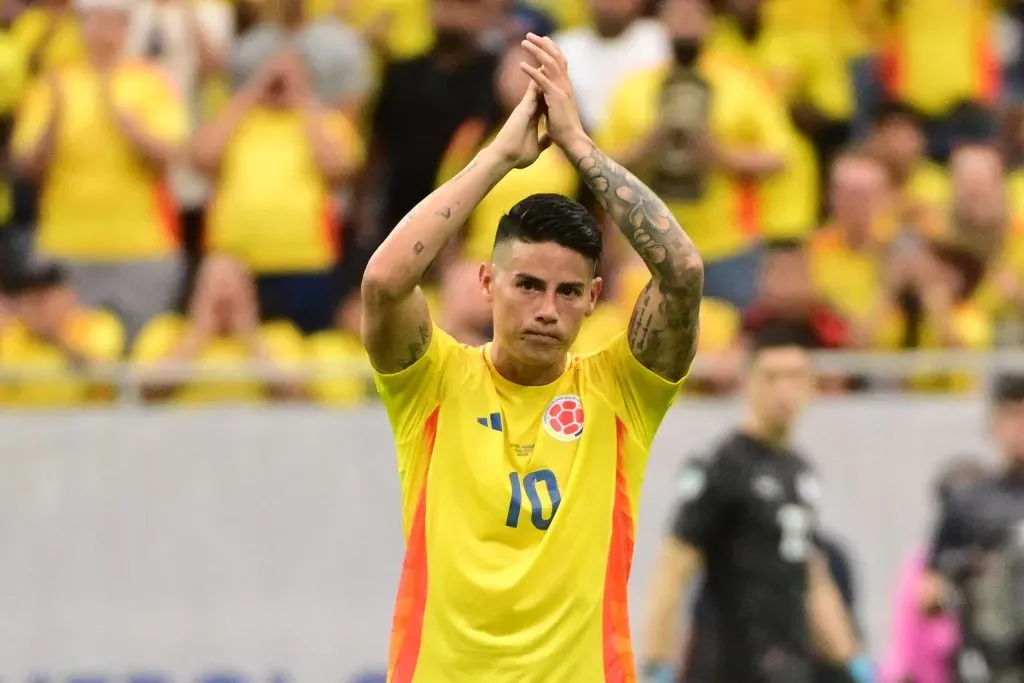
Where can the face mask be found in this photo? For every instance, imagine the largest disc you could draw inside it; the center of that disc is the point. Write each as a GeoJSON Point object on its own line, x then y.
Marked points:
{"type": "Point", "coordinates": [686, 51]}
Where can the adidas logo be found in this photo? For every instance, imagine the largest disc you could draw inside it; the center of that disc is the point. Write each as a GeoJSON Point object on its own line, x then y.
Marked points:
{"type": "Point", "coordinates": [493, 421]}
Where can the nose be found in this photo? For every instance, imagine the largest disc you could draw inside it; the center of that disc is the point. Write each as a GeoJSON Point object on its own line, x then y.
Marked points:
{"type": "Point", "coordinates": [547, 312]}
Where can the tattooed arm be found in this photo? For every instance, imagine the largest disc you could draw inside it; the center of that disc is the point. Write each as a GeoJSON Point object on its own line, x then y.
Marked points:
{"type": "Point", "coordinates": [396, 326]}
{"type": "Point", "coordinates": [663, 327]}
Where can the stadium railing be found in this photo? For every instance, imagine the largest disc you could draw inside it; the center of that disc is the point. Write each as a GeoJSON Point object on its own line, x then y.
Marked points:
{"type": "Point", "coordinates": [885, 369]}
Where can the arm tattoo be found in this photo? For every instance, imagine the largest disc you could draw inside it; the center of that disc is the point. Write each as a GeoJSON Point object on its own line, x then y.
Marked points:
{"type": "Point", "coordinates": [664, 325]}
{"type": "Point", "coordinates": [418, 347]}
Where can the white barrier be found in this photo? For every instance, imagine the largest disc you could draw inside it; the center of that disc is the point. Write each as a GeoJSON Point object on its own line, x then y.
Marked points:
{"type": "Point", "coordinates": [268, 540]}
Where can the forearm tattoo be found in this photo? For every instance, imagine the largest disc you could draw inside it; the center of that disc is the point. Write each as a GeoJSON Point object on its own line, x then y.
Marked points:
{"type": "Point", "coordinates": [664, 325]}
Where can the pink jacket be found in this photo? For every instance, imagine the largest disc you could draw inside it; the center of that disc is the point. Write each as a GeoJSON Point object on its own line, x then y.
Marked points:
{"type": "Point", "coordinates": [922, 647]}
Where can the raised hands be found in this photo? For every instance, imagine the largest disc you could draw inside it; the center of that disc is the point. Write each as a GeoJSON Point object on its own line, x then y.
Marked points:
{"type": "Point", "coordinates": [520, 141]}
{"type": "Point", "coordinates": [552, 78]}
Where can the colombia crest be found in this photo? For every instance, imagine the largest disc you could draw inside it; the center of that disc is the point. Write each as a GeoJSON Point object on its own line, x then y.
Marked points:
{"type": "Point", "coordinates": [563, 418]}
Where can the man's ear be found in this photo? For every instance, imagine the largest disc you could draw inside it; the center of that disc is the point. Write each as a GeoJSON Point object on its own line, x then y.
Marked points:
{"type": "Point", "coordinates": [486, 278]}
{"type": "Point", "coordinates": [595, 293]}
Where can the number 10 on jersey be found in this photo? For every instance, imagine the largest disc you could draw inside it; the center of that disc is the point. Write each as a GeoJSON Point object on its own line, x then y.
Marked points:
{"type": "Point", "coordinates": [530, 484]}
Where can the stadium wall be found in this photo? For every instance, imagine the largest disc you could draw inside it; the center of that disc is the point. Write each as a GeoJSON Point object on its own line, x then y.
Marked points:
{"type": "Point", "coordinates": [165, 546]}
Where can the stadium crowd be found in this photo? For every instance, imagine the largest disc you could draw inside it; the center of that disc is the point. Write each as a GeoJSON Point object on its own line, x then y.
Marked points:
{"type": "Point", "coordinates": [200, 182]}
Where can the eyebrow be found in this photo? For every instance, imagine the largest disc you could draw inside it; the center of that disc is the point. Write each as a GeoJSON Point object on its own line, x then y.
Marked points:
{"type": "Point", "coordinates": [534, 278]}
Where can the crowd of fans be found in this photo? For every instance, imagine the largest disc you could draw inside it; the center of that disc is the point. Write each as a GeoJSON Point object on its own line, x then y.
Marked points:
{"type": "Point", "coordinates": [201, 181]}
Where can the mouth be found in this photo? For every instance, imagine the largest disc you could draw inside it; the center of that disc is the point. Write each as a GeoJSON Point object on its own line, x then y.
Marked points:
{"type": "Point", "coordinates": [541, 337]}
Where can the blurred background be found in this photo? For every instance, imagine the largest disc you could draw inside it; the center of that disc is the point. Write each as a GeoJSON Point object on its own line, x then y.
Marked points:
{"type": "Point", "coordinates": [189, 190]}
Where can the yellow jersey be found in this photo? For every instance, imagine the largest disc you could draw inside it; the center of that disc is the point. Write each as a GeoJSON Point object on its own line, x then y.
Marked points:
{"type": "Point", "coordinates": [285, 221]}
{"type": "Point", "coordinates": [63, 38]}
{"type": "Point", "coordinates": [100, 201]}
{"type": "Point", "coordinates": [519, 511]}
{"type": "Point", "coordinates": [94, 333]}
{"type": "Point", "coordinates": [744, 114]}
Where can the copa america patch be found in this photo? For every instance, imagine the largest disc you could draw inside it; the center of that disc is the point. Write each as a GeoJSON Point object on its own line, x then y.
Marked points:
{"type": "Point", "coordinates": [563, 418]}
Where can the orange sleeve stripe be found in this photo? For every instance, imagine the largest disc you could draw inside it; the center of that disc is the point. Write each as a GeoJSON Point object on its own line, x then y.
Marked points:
{"type": "Point", "coordinates": [407, 625]}
{"type": "Point", "coordinates": [330, 226]}
{"type": "Point", "coordinates": [748, 209]}
{"type": "Point", "coordinates": [987, 75]}
{"type": "Point", "coordinates": [167, 213]}
{"type": "Point", "coordinates": [618, 648]}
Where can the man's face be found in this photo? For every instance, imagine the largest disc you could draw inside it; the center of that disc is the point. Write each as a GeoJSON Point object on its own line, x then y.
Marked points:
{"type": "Point", "coordinates": [979, 188]}
{"type": "Point", "coordinates": [104, 30]}
{"type": "Point", "coordinates": [42, 310]}
{"type": "Point", "coordinates": [461, 20]}
{"type": "Point", "coordinates": [858, 195]}
{"type": "Point", "coordinates": [540, 294]}
{"type": "Point", "coordinates": [512, 81]}
{"type": "Point", "coordinates": [901, 142]}
{"type": "Point", "coordinates": [614, 13]}
{"type": "Point", "coordinates": [779, 385]}
{"type": "Point", "coordinates": [786, 279]}
{"type": "Point", "coordinates": [687, 19]}
{"type": "Point", "coordinates": [1008, 430]}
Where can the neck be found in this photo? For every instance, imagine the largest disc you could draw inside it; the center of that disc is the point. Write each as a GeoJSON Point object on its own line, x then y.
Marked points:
{"type": "Point", "coordinates": [449, 56]}
{"type": "Point", "coordinates": [760, 429]}
{"type": "Point", "coordinates": [103, 61]}
{"type": "Point", "coordinates": [524, 375]}
{"type": "Point", "coordinates": [856, 236]}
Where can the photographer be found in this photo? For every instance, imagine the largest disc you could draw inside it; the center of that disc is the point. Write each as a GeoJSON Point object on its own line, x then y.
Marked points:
{"type": "Point", "coordinates": [977, 555]}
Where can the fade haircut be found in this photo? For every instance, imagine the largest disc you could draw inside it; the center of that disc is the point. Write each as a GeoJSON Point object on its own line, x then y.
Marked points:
{"type": "Point", "coordinates": [552, 218]}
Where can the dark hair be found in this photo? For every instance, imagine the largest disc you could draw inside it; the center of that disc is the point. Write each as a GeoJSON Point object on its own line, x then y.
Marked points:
{"type": "Point", "coordinates": [1008, 388]}
{"type": "Point", "coordinates": [891, 111]}
{"type": "Point", "coordinates": [788, 245]}
{"type": "Point", "coordinates": [552, 218]}
{"type": "Point", "coordinates": [780, 335]}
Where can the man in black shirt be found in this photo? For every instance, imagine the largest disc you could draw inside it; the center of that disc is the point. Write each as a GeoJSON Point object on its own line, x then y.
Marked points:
{"type": "Point", "coordinates": [745, 516]}
{"type": "Point", "coordinates": [977, 553]}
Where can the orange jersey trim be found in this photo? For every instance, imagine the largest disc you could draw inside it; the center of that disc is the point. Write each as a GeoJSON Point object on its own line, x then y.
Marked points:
{"type": "Point", "coordinates": [407, 625]}
{"type": "Point", "coordinates": [748, 208]}
{"type": "Point", "coordinates": [167, 213]}
{"type": "Point", "coordinates": [618, 648]}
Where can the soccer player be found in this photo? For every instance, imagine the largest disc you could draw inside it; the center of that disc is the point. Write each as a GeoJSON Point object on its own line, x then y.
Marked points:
{"type": "Point", "coordinates": [520, 464]}
{"type": "Point", "coordinates": [746, 518]}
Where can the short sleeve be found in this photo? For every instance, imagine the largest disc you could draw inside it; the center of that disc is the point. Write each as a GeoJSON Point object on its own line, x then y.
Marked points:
{"type": "Point", "coordinates": [104, 340]}
{"type": "Point", "coordinates": [163, 110]}
{"type": "Point", "coordinates": [412, 394]}
{"type": "Point", "coordinates": [345, 134]}
{"type": "Point", "coordinates": [157, 339]}
{"type": "Point", "coordinates": [33, 118]}
{"type": "Point", "coordinates": [705, 495]}
{"type": "Point", "coordinates": [646, 396]}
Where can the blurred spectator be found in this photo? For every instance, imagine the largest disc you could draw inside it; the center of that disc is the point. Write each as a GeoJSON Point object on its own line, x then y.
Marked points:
{"type": "Point", "coordinates": [48, 34]}
{"type": "Point", "coordinates": [221, 332]}
{"type": "Point", "coordinates": [466, 314]}
{"type": "Point", "coordinates": [12, 83]}
{"type": "Point", "coordinates": [937, 309]}
{"type": "Point", "coordinates": [189, 39]}
{"type": "Point", "coordinates": [702, 131]}
{"type": "Point", "coordinates": [98, 138]}
{"type": "Point", "coordinates": [514, 19]}
{"type": "Point", "coordinates": [422, 103]}
{"type": "Point", "coordinates": [341, 345]}
{"type": "Point", "coordinates": [812, 77]}
{"type": "Point", "coordinates": [918, 183]}
{"type": "Point", "coordinates": [283, 226]}
{"type": "Point", "coordinates": [787, 297]}
{"type": "Point", "coordinates": [941, 61]}
{"type": "Point", "coordinates": [53, 332]}
{"type": "Point", "coordinates": [847, 256]}
{"type": "Point", "coordinates": [979, 216]}
{"type": "Point", "coordinates": [923, 646]}
{"type": "Point", "coordinates": [335, 56]}
{"type": "Point", "coordinates": [618, 42]}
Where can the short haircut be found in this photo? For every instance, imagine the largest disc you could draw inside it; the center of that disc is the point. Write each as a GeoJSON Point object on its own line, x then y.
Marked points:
{"type": "Point", "coordinates": [780, 335]}
{"type": "Point", "coordinates": [552, 218]}
{"type": "Point", "coordinates": [788, 245]}
{"type": "Point", "coordinates": [1008, 388]}
{"type": "Point", "coordinates": [891, 111]}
